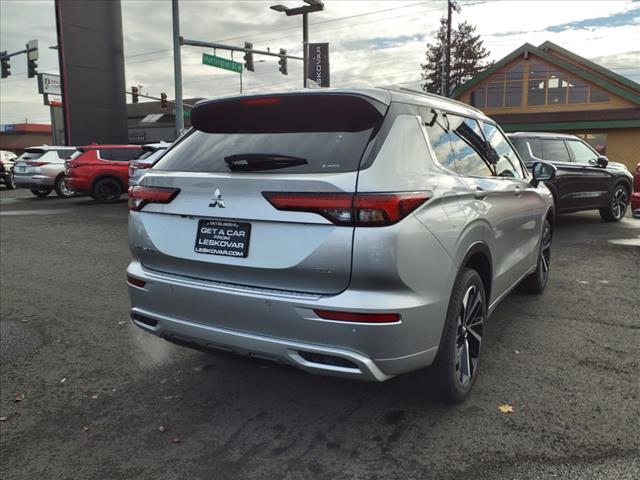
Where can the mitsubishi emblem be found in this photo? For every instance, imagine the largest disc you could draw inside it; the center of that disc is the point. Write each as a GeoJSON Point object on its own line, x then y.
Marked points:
{"type": "Point", "coordinates": [217, 199]}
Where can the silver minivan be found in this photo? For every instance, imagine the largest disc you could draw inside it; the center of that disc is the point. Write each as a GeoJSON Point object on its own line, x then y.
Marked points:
{"type": "Point", "coordinates": [41, 169]}
{"type": "Point", "coordinates": [361, 233]}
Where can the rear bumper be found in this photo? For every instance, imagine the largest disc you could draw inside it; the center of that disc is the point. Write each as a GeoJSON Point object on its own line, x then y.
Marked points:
{"type": "Point", "coordinates": [33, 181]}
{"type": "Point", "coordinates": [283, 328]}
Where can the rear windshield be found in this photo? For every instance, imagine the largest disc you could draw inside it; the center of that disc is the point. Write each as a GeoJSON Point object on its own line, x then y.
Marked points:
{"type": "Point", "coordinates": [32, 154]}
{"type": "Point", "coordinates": [303, 134]}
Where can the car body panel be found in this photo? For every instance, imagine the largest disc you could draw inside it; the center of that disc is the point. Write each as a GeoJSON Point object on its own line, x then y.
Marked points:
{"type": "Point", "coordinates": [635, 197]}
{"type": "Point", "coordinates": [264, 304]}
{"type": "Point", "coordinates": [84, 170]}
{"type": "Point", "coordinates": [577, 186]}
{"type": "Point", "coordinates": [149, 155]}
{"type": "Point", "coordinates": [53, 157]}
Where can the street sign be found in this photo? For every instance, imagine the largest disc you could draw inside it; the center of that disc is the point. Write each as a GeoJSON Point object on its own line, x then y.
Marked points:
{"type": "Point", "coordinates": [49, 84]}
{"type": "Point", "coordinates": [220, 62]}
{"type": "Point", "coordinates": [185, 113]}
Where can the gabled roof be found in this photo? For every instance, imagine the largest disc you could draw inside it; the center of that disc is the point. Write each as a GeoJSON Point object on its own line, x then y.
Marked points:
{"type": "Point", "coordinates": [582, 67]}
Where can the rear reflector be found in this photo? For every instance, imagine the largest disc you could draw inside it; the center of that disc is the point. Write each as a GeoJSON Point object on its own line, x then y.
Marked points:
{"type": "Point", "coordinates": [33, 163]}
{"type": "Point", "coordinates": [360, 209]}
{"type": "Point", "coordinates": [136, 282]}
{"type": "Point", "coordinates": [358, 317]}
{"type": "Point", "coordinates": [140, 196]}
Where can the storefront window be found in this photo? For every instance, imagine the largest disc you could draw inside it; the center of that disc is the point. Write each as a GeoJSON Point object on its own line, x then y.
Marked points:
{"type": "Point", "coordinates": [504, 89]}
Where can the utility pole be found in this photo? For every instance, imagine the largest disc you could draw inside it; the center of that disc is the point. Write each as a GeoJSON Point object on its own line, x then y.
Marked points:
{"type": "Point", "coordinates": [451, 6]}
{"type": "Point", "coordinates": [177, 69]}
{"type": "Point", "coordinates": [311, 6]}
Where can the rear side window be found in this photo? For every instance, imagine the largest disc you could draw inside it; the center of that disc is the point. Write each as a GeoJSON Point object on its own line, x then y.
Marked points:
{"type": "Point", "coordinates": [555, 151]}
{"type": "Point", "coordinates": [119, 154]}
{"type": "Point", "coordinates": [282, 134]}
{"type": "Point", "coordinates": [469, 147]}
{"type": "Point", "coordinates": [507, 161]}
{"type": "Point", "coordinates": [65, 154]}
{"type": "Point", "coordinates": [528, 148]}
{"type": "Point", "coordinates": [440, 141]}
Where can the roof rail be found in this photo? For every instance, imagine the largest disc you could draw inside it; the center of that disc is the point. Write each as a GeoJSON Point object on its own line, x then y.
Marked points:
{"type": "Point", "coordinates": [393, 88]}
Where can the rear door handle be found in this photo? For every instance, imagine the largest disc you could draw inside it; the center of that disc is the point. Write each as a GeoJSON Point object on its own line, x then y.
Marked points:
{"type": "Point", "coordinates": [480, 193]}
{"type": "Point", "coordinates": [517, 191]}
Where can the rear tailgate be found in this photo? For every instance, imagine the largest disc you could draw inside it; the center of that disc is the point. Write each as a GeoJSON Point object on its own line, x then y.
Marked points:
{"type": "Point", "coordinates": [221, 227]}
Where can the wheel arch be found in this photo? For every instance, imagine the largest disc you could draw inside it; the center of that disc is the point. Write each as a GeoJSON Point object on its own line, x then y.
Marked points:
{"type": "Point", "coordinates": [478, 257]}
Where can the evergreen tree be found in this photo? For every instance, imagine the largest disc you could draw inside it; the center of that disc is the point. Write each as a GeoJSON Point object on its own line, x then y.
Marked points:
{"type": "Point", "coordinates": [467, 57]}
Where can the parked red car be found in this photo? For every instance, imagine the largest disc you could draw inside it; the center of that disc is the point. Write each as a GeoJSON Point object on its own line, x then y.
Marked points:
{"type": "Point", "coordinates": [635, 197]}
{"type": "Point", "coordinates": [101, 171]}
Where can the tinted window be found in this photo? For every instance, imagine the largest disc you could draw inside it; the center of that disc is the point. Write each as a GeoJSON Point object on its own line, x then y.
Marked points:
{"type": "Point", "coordinates": [555, 151]}
{"type": "Point", "coordinates": [65, 154]}
{"type": "Point", "coordinates": [119, 154]}
{"type": "Point", "coordinates": [469, 147]}
{"type": "Point", "coordinates": [32, 154]}
{"type": "Point", "coordinates": [440, 142]}
{"type": "Point", "coordinates": [581, 153]}
{"type": "Point", "coordinates": [314, 133]}
{"type": "Point", "coordinates": [507, 162]}
{"type": "Point", "coordinates": [528, 148]}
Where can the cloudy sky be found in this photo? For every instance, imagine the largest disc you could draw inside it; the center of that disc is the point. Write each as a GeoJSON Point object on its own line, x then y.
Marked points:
{"type": "Point", "coordinates": [371, 42]}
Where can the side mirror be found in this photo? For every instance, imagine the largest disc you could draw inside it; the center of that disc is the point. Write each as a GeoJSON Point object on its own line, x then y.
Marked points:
{"type": "Point", "coordinates": [602, 161]}
{"type": "Point", "coordinates": [543, 172]}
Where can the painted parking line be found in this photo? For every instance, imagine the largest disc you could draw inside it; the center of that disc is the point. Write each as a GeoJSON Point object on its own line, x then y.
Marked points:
{"type": "Point", "coordinates": [15, 213]}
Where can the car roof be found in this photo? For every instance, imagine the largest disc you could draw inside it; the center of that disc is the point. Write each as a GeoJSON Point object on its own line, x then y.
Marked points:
{"type": "Point", "coordinates": [385, 95]}
{"type": "Point", "coordinates": [51, 147]}
{"type": "Point", "coordinates": [540, 135]}
{"type": "Point", "coordinates": [95, 146]}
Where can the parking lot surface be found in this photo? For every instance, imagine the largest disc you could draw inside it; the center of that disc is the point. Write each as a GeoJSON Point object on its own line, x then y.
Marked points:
{"type": "Point", "coordinates": [86, 395]}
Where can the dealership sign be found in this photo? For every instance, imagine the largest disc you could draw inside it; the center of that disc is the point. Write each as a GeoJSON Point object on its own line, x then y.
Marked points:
{"type": "Point", "coordinates": [49, 84]}
{"type": "Point", "coordinates": [318, 65]}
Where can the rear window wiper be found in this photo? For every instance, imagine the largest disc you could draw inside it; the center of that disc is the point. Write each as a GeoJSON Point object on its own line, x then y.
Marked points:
{"type": "Point", "coordinates": [255, 162]}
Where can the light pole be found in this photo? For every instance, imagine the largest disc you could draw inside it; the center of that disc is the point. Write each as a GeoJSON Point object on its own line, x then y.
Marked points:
{"type": "Point", "coordinates": [177, 68]}
{"type": "Point", "coordinates": [312, 6]}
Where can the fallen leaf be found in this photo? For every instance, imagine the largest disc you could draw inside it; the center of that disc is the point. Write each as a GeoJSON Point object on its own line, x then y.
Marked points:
{"type": "Point", "coordinates": [3, 419]}
{"type": "Point", "coordinates": [94, 397]}
{"type": "Point", "coordinates": [19, 397]}
{"type": "Point", "coordinates": [63, 380]}
{"type": "Point", "coordinates": [517, 352]}
{"type": "Point", "coordinates": [505, 408]}
{"type": "Point", "coordinates": [175, 440]}
{"type": "Point", "coordinates": [122, 323]}
{"type": "Point", "coordinates": [86, 429]}
{"type": "Point", "coordinates": [161, 429]}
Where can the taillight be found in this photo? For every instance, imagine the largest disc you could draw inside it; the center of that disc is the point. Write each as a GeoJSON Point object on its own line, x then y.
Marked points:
{"type": "Point", "coordinates": [33, 163]}
{"type": "Point", "coordinates": [358, 317]}
{"type": "Point", "coordinates": [141, 165]}
{"type": "Point", "coordinates": [360, 209]}
{"type": "Point", "coordinates": [140, 196]}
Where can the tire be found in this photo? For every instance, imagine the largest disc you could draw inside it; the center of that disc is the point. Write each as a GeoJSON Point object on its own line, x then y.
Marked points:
{"type": "Point", "coordinates": [41, 192]}
{"type": "Point", "coordinates": [61, 188]}
{"type": "Point", "coordinates": [618, 203]}
{"type": "Point", "coordinates": [456, 368]}
{"type": "Point", "coordinates": [107, 190]}
{"type": "Point", "coordinates": [537, 281]}
{"type": "Point", "coordinates": [10, 181]}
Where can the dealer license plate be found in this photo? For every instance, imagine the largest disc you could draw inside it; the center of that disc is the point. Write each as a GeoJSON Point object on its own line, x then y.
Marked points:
{"type": "Point", "coordinates": [223, 237]}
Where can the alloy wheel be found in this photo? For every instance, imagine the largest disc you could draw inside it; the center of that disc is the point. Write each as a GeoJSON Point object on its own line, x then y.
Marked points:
{"type": "Point", "coordinates": [619, 202]}
{"type": "Point", "coordinates": [65, 190]}
{"type": "Point", "coordinates": [545, 252]}
{"type": "Point", "coordinates": [469, 335]}
{"type": "Point", "coordinates": [108, 190]}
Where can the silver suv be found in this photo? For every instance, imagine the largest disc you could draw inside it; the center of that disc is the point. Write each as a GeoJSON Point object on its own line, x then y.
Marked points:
{"type": "Point", "coordinates": [41, 169]}
{"type": "Point", "coordinates": [361, 233]}
{"type": "Point", "coordinates": [149, 155]}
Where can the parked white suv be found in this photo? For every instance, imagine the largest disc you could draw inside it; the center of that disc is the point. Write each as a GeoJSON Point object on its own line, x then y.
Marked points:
{"type": "Point", "coordinates": [41, 169]}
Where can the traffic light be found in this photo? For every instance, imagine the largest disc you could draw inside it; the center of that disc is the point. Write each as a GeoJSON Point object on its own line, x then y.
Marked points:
{"type": "Point", "coordinates": [248, 57]}
{"type": "Point", "coordinates": [283, 62]}
{"type": "Point", "coordinates": [6, 66]}
{"type": "Point", "coordinates": [32, 58]}
{"type": "Point", "coordinates": [134, 94]}
{"type": "Point", "coordinates": [32, 68]}
{"type": "Point", "coordinates": [163, 101]}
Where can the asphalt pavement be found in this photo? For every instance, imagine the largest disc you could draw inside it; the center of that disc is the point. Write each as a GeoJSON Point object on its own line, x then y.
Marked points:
{"type": "Point", "coordinates": [86, 395]}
